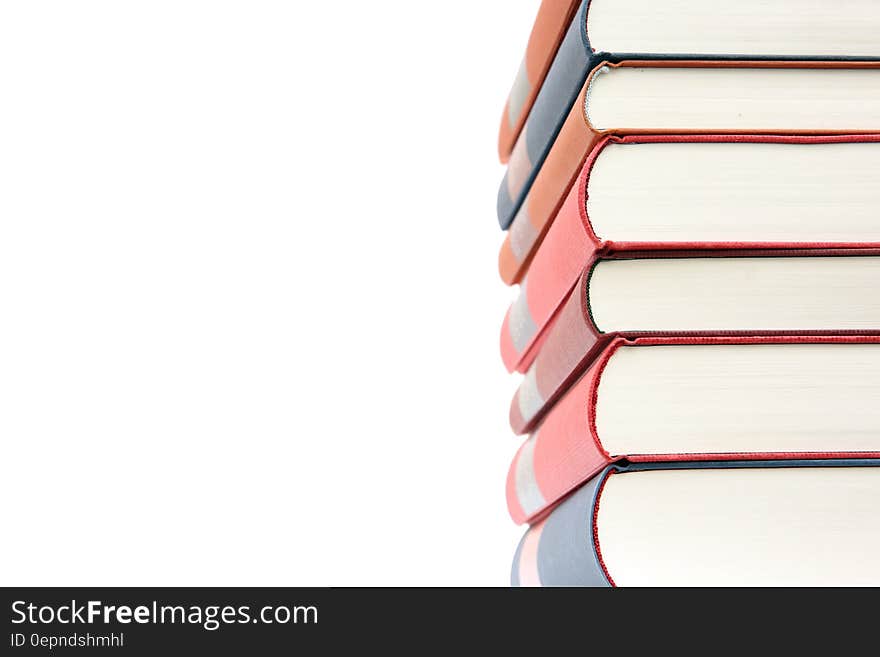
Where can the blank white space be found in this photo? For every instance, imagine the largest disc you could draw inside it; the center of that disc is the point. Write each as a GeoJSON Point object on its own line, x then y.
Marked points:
{"type": "Point", "coordinates": [249, 303]}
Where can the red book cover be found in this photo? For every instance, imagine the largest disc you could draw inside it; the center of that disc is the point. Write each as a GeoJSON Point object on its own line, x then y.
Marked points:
{"type": "Point", "coordinates": [577, 139]}
{"type": "Point", "coordinates": [572, 342]}
{"type": "Point", "coordinates": [568, 448]}
{"type": "Point", "coordinates": [571, 243]}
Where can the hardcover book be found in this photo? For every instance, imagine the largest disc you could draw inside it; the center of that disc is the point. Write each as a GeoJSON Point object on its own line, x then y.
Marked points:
{"type": "Point", "coordinates": [649, 195]}
{"type": "Point", "coordinates": [703, 399]}
{"type": "Point", "coordinates": [610, 31]}
{"type": "Point", "coordinates": [790, 523]}
{"type": "Point", "coordinates": [662, 97]}
{"type": "Point", "coordinates": [551, 23]}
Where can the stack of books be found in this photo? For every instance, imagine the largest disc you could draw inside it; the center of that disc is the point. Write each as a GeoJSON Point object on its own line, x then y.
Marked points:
{"type": "Point", "coordinates": [692, 207]}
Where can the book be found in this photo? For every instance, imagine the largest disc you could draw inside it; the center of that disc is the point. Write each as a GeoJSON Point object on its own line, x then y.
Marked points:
{"type": "Point", "coordinates": [740, 292]}
{"type": "Point", "coordinates": [697, 399]}
{"type": "Point", "coordinates": [780, 28]}
{"type": "Point", "coordinates": [654, 193]}
{"type": "Point", "coordinates": [648, 97]}
{"type": "Point", "coordinates": [551, 23]}
{"type": "Point", "coordinates": [795, 523]}
{"type": "Point", "coordinates": [751, 296]}
{"type": "Point", "coordinates": [611, 32]}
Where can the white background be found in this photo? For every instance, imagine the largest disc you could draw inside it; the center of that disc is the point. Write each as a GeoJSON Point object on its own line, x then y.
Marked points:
{"type": "Point", "coordinates": [249, 308]}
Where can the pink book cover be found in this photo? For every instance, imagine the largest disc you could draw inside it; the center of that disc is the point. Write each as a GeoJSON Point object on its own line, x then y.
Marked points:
{"type": "Point", "coordinates": [566, 449]}
{"type": "Point", "coordinates": [571, 243]}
